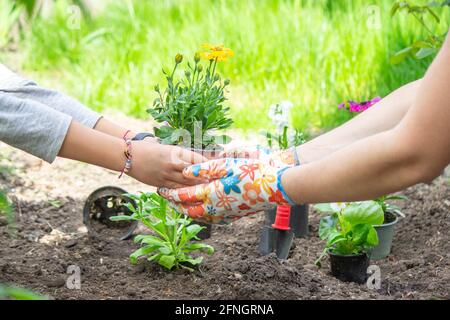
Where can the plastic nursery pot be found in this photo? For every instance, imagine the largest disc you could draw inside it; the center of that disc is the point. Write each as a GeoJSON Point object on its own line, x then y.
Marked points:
{"type": "Point", "coordinates": [205, 233]}
{"type": "Point", "coordinates": [385, 236]}
{"type": "Point", "coordinates": [104, 203]}
{"type": "Point", "coordinates": [299, 220]}
{"type": "Point", "coordinates": [349, 268]}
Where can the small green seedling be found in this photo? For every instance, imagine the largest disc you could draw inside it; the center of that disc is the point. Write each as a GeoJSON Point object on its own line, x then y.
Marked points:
{"type": "Point", "coordinates": [171, 242]}
{"type": "Point", "coordinates": [284, 140]}
{"type": "Point", "coordinates": [388, 207]}
{"type": "Point", "coordinates": [349, 229]}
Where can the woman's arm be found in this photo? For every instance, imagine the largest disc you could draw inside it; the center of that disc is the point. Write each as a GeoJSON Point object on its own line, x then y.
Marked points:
{"type": "Point", "coordinates": [416, 150]}
{"type": "Point", "coordinates": [383, 116]}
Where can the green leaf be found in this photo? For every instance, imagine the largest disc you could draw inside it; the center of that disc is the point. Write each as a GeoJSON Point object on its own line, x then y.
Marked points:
{"type": "Point", "coordinates": [165, 250]}
{"type": "Point", "coordinates": [395, 8]}
{"type": "Point", "coordinates": [366, 212]}
{"type": "Point", "coordinates": [335, 237]}
{"type": "Point", "coordinates": [19, 294]}
{"type": "Point", "coordinates": [167, 261]}
{"type": "Point", "coordinates": [164, 132]}
{"type": "Point", "coordinates": [199, 246]}
{"type": "Point", "coordinates": [360, 233]}
{"type": "Point", "coordinates": [141, 252]}
{"type": "Point", "coordinates": [149, 239]}
{"type": "Point", "coordinates": [195, 261]}
{"type": "Point", "coordinates": [397, 197]}
{"type": "Point", "coordinates": [323, 207]}
{"type": "Point", "coordinates": [193, 229]}
{"type": "Point", "coordinates": [433, 14]}
{"type": "Point", "coordinates": [401, 55]}
{"type": "Point", "coordinates": [425, 52]}
{"type": "Point", "coordinates": [326, 226]}
{"type": "Point", "coordinates": [121, 218]}
{"type": "Point", "coordinates": [372, 237]}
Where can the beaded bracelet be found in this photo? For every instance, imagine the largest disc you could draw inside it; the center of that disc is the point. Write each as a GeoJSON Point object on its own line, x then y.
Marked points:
{"type": "Point", "coordinates": [127, 153]}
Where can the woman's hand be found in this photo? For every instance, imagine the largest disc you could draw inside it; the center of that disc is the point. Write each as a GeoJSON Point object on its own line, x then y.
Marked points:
{"type": "Point", "coordinates": [239, 187]}
{"type": "Point", "coordinates": [162, 165]}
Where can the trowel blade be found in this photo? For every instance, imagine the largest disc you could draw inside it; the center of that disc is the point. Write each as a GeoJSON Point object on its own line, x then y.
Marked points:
{"type": "Point", "coordinates": [283, 243]}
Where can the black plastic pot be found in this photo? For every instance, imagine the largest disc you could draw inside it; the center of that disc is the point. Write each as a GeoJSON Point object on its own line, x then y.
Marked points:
{"type": "Point", "coordinates": [102, 204]}
{"type": "Point", "coordinates": [349, 268]}
{"type": "Point", "coordinates": [385, 236]}
{"type": "Point", "coordinates": [205, 233]}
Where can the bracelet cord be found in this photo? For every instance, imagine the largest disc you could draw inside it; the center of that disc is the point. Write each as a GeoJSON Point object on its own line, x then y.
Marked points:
{"type": "Point", "coordinates": [127, 154]}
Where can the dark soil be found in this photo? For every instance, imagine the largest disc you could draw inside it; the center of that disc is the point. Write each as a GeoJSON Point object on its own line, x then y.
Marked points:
{"type": "Point", "coordinates": [48, 198]}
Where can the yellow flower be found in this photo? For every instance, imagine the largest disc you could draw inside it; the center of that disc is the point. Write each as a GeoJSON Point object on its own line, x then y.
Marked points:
{"type": "Point", "coordinates": [216, 52]}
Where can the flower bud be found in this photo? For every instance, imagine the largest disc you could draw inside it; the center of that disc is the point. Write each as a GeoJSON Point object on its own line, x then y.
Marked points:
{"type": "Point", "coordinates": [197, 57]}
{"type": "Point", "coordinates": [200, 68]}
{"type": "Point", "coordinates": [226, 82]}
{"type": "Point", "coordinates": [178, 58]}
{"type": "Point", "coordinates": [216, 77]}
{"type": "Point", "coordinates": [187, 73]}
{"type": "Point", "coordinates": [157, 88]}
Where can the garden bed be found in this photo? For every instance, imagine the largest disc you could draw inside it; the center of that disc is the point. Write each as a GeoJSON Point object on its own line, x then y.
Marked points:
{"type": "Point", "coordinates": [50, 198]}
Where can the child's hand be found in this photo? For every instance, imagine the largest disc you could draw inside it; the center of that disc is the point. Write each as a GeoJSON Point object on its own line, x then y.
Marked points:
{"type": "Point", "coordinates": [162, 165]}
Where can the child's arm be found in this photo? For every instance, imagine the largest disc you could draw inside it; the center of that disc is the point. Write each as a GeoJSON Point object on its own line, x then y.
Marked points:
{"type": "Point", "coordinates": [45, 133]}
{"type": "Point", "coordinates": [153, 163]}
{"type": "Point", "coordinates": [14, 85]}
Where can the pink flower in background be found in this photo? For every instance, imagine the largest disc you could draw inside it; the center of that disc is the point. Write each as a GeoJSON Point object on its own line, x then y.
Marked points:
{"type": "Point", "coordinates": [353, 106]}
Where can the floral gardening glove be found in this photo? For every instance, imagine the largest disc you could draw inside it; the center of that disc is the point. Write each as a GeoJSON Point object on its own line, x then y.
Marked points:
{"type": "Point", "coordinates": [238, 188]}
{"type": "Point", "coordinates": [278, 158]}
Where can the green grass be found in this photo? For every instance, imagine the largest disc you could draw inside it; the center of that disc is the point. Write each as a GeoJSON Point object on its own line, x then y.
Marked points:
{"type": "Point", "coordinates": [313, 53]}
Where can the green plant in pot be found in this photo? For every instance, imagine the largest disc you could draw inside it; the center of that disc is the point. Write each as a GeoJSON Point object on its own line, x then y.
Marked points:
{"type": "Point", "coordinates": [386, 230]}
{"type": "Point", "coordinates": [349, 234]}
{"type": "Point", "coordinates": [191, 109]}
{"type": "Point", "coordinates": [172, 238]}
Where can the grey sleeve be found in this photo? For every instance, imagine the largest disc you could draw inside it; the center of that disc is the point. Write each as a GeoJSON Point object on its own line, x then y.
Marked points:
{"type": "Point", "coordinates": [32, 126]}
{"type": "Point", "coordinates": [54, 99]}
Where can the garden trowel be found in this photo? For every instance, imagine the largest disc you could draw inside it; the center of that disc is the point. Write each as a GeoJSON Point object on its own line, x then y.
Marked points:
{"type": "Point", "coordinates": [284, 235]}
{"type": "Point", "coordinates": [276, 234]}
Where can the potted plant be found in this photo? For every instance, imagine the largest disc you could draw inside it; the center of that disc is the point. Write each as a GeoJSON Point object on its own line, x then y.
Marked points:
{"type": "Point", "coordinates": [171, 241]}
{"type": "Point", "coordinates": [283, 139]}
{"type": "Point", "coordinates": [386, 230]}
{"type": "Point", "coordinates": [191, 108]}
{"type": "Point", "coordinates": [349, 234]}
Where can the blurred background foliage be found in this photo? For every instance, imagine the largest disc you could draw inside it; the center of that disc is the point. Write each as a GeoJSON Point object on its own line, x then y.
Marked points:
{"type": "Point", "coordinates": [315, 53]}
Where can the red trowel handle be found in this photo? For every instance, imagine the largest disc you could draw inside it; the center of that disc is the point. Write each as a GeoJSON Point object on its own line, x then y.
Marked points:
{"type": "Point", "coordinates": [282, 218]}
